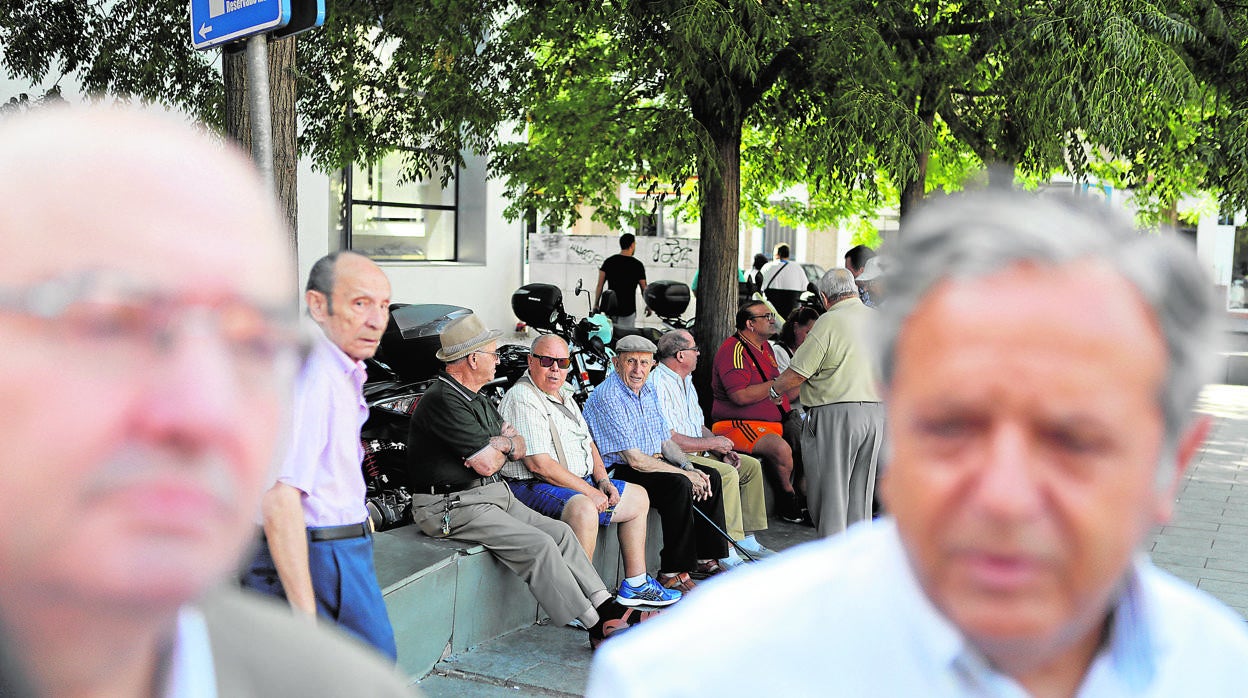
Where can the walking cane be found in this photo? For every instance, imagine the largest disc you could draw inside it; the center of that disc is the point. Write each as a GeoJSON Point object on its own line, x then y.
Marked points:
{"type": "Point", "coordinates": [672, 453]}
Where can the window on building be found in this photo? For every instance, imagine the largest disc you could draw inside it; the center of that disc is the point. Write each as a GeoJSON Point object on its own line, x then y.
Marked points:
{"type": "Point", "coordinates": [392, 220]}
{"type": "Point", "coordinates": [1237, 293]}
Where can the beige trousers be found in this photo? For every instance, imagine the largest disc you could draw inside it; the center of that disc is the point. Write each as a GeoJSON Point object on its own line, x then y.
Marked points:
{"type": "Point", "coordinates": [745, 503]}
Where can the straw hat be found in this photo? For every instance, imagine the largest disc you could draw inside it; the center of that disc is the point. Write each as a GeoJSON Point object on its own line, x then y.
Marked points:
{"type": "Point", "coordinates": [462, 336]}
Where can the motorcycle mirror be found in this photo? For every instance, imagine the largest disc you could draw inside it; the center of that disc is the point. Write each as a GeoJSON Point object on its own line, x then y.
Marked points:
{"type": "Point", "coordinates": [578, 287]}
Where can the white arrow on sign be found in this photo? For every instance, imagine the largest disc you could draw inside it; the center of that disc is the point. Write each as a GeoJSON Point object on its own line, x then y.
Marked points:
{"type": "Point", "coordinates": [203, 30]}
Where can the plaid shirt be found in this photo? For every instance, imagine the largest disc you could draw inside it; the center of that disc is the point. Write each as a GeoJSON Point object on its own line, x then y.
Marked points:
{"type": "Point", "coordinates": [523, 407]}
{"type": "Point", "coordinates": [679, 401]}
{"type": "Point", "coordinates": [620, 419]}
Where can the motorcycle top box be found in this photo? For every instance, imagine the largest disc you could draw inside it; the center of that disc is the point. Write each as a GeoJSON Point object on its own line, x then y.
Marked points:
{"type": "Point", "coordinates": [410, 343]}
{"type": "Point", "coordinates": [667, 298]}
{"type": "Point", "coordinates": [538, 305]}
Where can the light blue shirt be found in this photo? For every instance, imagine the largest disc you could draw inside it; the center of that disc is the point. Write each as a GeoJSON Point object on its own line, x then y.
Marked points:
{"type": "Point", "coordinates": [678, 400]}
{"type": "Point", "coordinates": [845, 616]}
{"type": "Point", "coordinates": [620, 419]}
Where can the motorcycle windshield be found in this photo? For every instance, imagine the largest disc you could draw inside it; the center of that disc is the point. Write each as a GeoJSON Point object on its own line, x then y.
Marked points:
{"type": "Point", "coordinates": [425, 320]}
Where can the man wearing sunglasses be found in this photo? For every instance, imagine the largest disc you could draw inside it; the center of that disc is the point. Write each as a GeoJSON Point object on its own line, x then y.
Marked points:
{"type": "Point", "coordinates": [457, 444]}
{"type": "Point", "coordinates": [562, 476]}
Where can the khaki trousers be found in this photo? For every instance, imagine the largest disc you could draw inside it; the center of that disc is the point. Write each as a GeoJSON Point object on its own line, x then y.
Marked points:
{"type": "Point", "coordinates": [540, 550]}
{"type": "Point", "coordinates": [841, 445]}
{"type": "Point", "coordinates": [745, 503]}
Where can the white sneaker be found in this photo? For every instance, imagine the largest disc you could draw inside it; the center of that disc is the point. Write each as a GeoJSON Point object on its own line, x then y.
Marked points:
{"type": "Point", "coordinates": [733, 560]}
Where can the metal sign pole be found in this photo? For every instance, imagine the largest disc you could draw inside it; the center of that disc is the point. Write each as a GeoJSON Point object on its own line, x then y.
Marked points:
{"type": "Point", "coordinates": [261, 107]}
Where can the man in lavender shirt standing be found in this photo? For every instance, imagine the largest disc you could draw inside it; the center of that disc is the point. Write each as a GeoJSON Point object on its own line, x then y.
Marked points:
{"type": "Point", "coordinates": [319, 549]}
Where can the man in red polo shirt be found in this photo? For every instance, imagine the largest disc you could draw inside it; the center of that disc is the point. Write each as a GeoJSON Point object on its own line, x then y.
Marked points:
{"type": "Point", "coordinates": [746, 409]}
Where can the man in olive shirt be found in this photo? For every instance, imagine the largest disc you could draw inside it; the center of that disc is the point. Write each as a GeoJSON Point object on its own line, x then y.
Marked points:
{"type": "Point", "coordinates": [844, 430]}
{"type": "Point", "coordinates": [456, 446]}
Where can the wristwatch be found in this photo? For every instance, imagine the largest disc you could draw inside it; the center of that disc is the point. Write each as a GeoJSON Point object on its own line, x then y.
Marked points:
{"type": "Point", "coordinates": [771, 391]}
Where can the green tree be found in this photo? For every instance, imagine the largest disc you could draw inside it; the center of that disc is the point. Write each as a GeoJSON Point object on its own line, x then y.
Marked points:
{"type": "Point", "coordinates": [141, 49]}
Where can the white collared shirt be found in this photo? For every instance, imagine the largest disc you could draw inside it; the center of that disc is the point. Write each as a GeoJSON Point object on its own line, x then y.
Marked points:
{"type": "Point", "coordinates": [191, 670]}
{"type": "Point", "coordinates": [845, 616]}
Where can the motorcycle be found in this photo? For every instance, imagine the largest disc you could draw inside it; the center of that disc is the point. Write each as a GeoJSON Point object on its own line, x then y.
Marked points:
{"type": "Point", "coordinates": [667, 300]}
{"type": "Point", "coordinates": [540, 306]}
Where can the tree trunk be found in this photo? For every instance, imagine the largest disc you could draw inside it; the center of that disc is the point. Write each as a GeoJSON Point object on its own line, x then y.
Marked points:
{"type": "Point", "coordinates": [282, 97]}
{"type": "Point", "coordinates": [1000, 174]}
{"type": "Point", "coordinates": [717, 260]}
{"type": "Point", "coordinates": [915, 188]}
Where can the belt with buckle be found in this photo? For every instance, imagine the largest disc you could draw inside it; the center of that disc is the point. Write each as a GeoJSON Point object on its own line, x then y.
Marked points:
{"type": "Point", "coordinates": [460, 486]}
{"type": "Point", "coordinates": [324, 533]}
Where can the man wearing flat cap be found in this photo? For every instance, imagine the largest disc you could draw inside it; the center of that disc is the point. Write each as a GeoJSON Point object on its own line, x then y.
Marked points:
{"type": "Point", "coordinates": [457, 444]}
{"type": "Point", "coordinates": [629, 428]}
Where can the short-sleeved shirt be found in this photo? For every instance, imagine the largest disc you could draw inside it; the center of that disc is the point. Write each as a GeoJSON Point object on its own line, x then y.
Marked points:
{"type": "Point", "coordinates": [450, 424]}
{"type": "Point", "coordinates": [325, 455]}
{"type": "Point", "coordinates": [620, 419]}
{"type": "Point", "coordinates": [623, 274]}
{"type": "Point", "coordinates": [679, 401]}
{"type": "Point", "coordinates": [733, 370]}
{"type": "Point", "coordinates": [784, 275]}
{"type": "Point", "coordinates": [835, 359]}
{"type": "Point", "coordinates": [526, 408]}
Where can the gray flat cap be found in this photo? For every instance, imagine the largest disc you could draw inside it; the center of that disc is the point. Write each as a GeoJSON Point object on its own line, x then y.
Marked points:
{"type": "Point", "coordinates": [635, 342]}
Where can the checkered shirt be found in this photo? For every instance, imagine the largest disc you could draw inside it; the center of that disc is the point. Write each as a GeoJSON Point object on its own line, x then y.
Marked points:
{"type": "Point", "coordinates": [620, 419]}
{"type": "Point", "coordinates": [522, 407]}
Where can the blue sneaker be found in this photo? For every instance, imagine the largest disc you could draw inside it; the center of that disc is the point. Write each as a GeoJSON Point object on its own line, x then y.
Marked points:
{"type": "Point", "coordinates": [650, 593]}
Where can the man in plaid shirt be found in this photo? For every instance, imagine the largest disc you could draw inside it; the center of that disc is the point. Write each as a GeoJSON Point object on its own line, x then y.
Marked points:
{"type": "Point", "coordinates": [562, 475]}
{"type": "Point", "coordinates": [629, 429]}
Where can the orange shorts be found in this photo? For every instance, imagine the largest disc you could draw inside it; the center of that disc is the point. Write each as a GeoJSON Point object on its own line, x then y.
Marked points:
{"type": "Point", "coordinates": [745, 432]}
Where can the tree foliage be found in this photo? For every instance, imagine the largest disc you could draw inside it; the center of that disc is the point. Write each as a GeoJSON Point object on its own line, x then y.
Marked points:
{"type": "Point", "coordinates": [125, 48]}
{"type": "Point", "coordinates": [812, 112]}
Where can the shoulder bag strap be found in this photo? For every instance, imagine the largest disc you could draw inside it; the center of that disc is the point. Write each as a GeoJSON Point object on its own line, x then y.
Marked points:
{"type": "Point", "coordinates": [750, 353]}
{"type": "Point", "coordinates": [550, 420]}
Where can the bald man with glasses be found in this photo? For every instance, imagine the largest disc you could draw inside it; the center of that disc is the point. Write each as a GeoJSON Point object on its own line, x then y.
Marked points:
{"type": "Point", "coordinates": [562, 475]}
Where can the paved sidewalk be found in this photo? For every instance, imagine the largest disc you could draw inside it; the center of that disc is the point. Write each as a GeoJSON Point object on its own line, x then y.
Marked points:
{"type": "Point", "coordinates": [1206, 544]}
{"type": "Point", "coordinates": [1207, 541]}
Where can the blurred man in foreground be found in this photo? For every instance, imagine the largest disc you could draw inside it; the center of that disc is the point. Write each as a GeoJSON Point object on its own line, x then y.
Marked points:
{"type": "Point", "coordinates": [1040, 362]}
{"type": "Point", "coordinates": [148, 321]}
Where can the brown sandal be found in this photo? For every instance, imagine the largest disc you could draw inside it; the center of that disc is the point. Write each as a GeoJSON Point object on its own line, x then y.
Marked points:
{"type": "Point", "coordinates": [681, 581]}
{"type": "Point", "coordinates": [709, 568]}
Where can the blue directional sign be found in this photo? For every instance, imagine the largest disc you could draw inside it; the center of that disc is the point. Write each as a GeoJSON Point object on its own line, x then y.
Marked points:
{"type": "Point", "coordinates": [216, 22]}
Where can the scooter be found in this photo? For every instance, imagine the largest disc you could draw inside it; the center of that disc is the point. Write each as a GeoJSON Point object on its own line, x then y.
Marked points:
{"type": "Point", "coordinates": [666, 300]}
{"type": "Point", "coordinates": [540, 306]}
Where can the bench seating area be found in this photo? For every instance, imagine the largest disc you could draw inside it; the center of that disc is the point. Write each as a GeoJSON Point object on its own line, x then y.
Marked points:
{"type": "Point", "coordinates": [446, 596]}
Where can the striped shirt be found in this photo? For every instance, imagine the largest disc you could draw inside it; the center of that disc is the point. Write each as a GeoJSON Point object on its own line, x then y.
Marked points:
{"type": "Point", "coordinates": [678, 400]}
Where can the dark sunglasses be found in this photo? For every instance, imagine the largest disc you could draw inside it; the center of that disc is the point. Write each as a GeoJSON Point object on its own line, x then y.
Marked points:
{"type": "Point", "coordinates": [548, 361]}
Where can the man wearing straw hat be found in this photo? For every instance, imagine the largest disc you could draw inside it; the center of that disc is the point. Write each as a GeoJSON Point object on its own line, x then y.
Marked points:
{"type": "Point", "coordinates": [456, 446]}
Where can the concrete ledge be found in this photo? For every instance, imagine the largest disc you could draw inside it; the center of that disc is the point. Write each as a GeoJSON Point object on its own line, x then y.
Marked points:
{"type": "Point", "coordinates": [445, 596]}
